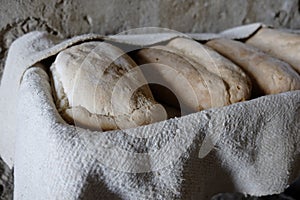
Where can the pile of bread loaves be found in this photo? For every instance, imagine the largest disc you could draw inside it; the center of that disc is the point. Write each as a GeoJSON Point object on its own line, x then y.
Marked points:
{"type": "Point", "coordinates": [99, 86]}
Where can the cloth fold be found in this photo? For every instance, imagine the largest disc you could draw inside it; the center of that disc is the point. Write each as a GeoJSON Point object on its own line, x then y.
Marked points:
{"type": "Point", "coordinates": [255, 144]}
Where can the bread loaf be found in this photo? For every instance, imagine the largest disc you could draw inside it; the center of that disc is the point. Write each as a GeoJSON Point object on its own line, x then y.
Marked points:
{"type": "Point", "coordinates": [283, 45]}
{"type": "Point", "coordinates": [237, 82]}
{"type": "Point", "coordinates": [195, 87]}
{"type": "Point", "coordinates": [98, 86]}
{"type": "Point", "coordinates": [269, 75]}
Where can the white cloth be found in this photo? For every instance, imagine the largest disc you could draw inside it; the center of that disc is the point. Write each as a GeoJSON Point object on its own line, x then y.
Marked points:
{"type": "Point", "coordinates": [255, 143]}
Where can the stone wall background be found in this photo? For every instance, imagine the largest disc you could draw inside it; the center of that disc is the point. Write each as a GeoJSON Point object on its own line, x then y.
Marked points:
{"type": "Point", "coordinates": [66, 18]}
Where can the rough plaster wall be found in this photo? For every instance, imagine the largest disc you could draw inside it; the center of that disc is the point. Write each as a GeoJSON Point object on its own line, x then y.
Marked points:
{"type": "Point", "coordinates": [66, 18]}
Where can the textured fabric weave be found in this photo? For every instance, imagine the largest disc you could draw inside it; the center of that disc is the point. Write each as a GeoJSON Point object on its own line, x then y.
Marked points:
{"type": "Point", "coordinates": [255, 144]}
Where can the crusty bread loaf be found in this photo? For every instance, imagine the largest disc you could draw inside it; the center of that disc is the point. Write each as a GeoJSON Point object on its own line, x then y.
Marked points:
{"type": "Point", "coordinates": [237, 82]}
{"type": "Point", "coordinates": [269, 75]}
{"type": "Point", "coordinates": [283, 45]}
{"type": "Point", "coordinates": [98, 86]}
{"type": "Point", "coordinates": [195, 87]}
